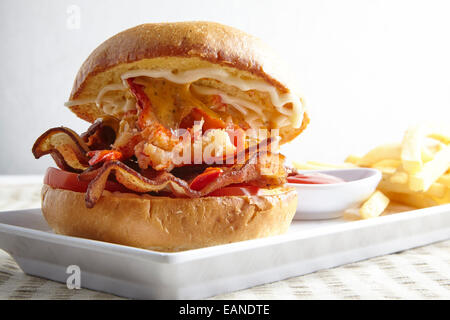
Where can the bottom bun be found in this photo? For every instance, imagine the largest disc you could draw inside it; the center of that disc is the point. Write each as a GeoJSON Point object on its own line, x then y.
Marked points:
{"type": "Point", "coordinates": [169, 224]}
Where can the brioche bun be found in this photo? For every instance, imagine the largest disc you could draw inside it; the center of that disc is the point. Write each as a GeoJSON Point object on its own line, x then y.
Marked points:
{"type": "Point", "coordinates": [180, 46]}
{"type": "Point", "coordinates": [169, 224]}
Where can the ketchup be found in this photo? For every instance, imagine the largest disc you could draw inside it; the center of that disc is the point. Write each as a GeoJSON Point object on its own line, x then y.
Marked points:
{"type": "Point", "coordinates": [314, 178]}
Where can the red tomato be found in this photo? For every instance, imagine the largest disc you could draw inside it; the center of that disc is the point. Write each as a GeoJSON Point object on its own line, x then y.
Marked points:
{"type": "Point", "coordinates": [60, 179]}
{"type": "Point", "coordinates": [205, 178]}
{"type": "Point", "coordinates": [235, 190]}
{"type": "Point", "coordinates": [314, 178]}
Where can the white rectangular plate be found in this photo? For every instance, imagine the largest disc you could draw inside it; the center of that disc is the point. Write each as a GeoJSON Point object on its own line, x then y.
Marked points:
{"type": "Point", "coordinates": [308, 246]}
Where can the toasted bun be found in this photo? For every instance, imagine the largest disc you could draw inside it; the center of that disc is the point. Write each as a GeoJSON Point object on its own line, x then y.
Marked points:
{"type": "Point", "coordinates": [169, 224]}
{"type": "Point", "coordinates": [179, 46]}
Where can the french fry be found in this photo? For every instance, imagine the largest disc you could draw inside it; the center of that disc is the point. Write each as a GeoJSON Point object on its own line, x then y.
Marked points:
{"type": "Point", "coordinates": [445, 199]}
{"type": "Point", "coordinates": [440, 133]}
{"type": "Point", "coordinates": [374, 206]}
{"type": "Point", "coordinates": [387, 166]}
{"type": "Point", "coordinates": [436, 189]}
{"type": "Point", "coordinates": [399, 177]}
{"type": "Point", "coordinates": [416, 200]}
{"type": "Point", "coordinates": [411, 153]}
{"type": "Point", "coordinates": [390, 163]}
{"type": "Point", "coordinates": [444, 179]}
{"type": "Point", "coordinates": [432, 145]}
{"type": "Point", "coordinates": [386, 186]}
{"type": "Point", "coordinates": [430, 148]}
{"type": "Point", "coordinates": [414, 145]}
{"type": "Point", "coordinates": [386, 171]}
{"type": "Point", "coordinates": [431, 171]}
{"type": "Point", "coordinates": [426, 154]}
{"type": "Point", "coordinates": [443, 137]}
{"type": "Point", "coordinates": [385, 151]}
{"type": "Point", "coordinates": [415, 172]}
{"type": "Point", "coordinates": [353, 159]}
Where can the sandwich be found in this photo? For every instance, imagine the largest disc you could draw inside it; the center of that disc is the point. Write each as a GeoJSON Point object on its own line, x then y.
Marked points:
{"type": "Point", "coordinates": [182, 150]}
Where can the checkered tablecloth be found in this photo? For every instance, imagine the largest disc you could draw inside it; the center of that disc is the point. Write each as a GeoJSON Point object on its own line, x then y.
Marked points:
{"type": "Point", "coordinates": [420, 273]}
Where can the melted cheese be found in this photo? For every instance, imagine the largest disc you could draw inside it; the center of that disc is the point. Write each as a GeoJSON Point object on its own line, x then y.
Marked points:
{"type": "Point", "coordinates": [239, 104]}
{"type": "Point", "coordinates": [170, 101]}
{"type": "Point", "coordinates": [109, 105]}
{"type": "Point", "coordinates": [278, 100]}
{"type": "Point", "coordinates": [108, 88]}
{"type": "Point", "coordinates": [292, 116]}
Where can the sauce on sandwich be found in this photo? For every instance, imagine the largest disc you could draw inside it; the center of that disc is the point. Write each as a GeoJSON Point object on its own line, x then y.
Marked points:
{"type": "Point", "coordinates": [314, 178]}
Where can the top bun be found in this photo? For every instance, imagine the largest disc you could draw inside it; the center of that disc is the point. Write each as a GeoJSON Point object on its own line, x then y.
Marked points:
{"type": "Point", "coordinates": [179, 46]}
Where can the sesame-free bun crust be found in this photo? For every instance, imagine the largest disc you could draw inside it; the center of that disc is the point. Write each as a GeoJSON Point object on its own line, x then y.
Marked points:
{"type": "Point", "coordinates": [178, 46]}
{"type": "Point", "coordinates": [169, 224]}
{"type": "Point", "coordinates": [203, 41]}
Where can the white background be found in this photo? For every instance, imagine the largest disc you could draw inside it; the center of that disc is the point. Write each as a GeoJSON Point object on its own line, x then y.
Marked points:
{"type": "Point", "coordinates": [367, 69]}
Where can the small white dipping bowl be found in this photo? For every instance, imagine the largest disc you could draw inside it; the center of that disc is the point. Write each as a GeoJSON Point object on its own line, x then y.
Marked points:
{"type": "Point", "coordinates": [328, 201]}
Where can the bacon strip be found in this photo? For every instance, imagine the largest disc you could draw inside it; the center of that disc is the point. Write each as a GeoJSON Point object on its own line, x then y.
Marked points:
{"type": "Point", "coordinates": [134, 181]}
{"type": "Point", "coordinates": [89, 174]}
{"type": "Point", "coordinates": [65, 146]}
{"type": "Point", "coordinates": [252, 170]}
{"type": "Point", "coordinates": [262, 169]}
{"type": "Point", "coordinates": [102, 133]}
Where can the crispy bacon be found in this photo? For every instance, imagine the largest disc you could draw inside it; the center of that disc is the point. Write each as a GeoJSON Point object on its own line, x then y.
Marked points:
{"type": "Point", "coordinates": [89, 174]}
{"type": "Point", "coordinates": [70, 154]}
{"type": "Point", "coordinates": [65, 146]}
{"type": "Point", "coordinates": [189, 172]}
{"type": "Point", "coordinates": [261, 169]}
{"type": "Point", "coordinates": [134, 181]}
{"type": "Point", "coordinates": [253, 169]}
{"type": "Point", "coordinates": [102, 133]}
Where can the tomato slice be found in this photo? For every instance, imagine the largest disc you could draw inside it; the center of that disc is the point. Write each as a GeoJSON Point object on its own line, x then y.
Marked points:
{"type": "Point", "coordinates": [60, 179]}
{"type": "Point", "coordinates": [235, 190]}
{"type": "Point", "coordinates": [205, 178]}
